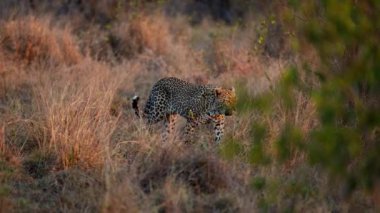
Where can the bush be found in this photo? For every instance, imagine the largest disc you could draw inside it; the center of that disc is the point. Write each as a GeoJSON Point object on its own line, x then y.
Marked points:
{"type": "Point", "coordinates": [345, 96]}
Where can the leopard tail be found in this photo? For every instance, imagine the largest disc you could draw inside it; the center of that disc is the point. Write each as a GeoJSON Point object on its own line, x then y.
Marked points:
{"type": "Point", "coordinates": [135, 105]}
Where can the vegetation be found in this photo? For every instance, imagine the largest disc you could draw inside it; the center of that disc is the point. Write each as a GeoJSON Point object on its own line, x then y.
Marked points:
{"type": "Point", "coordinates": [305, 136]}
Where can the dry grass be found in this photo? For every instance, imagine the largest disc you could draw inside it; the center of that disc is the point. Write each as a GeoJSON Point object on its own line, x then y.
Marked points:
{"type": "Point", "coordinates": [31, 39]}
{"type": "Point", "coordinates": [69, 140]}
{"type": "Point", "coordinates": [77, 115]}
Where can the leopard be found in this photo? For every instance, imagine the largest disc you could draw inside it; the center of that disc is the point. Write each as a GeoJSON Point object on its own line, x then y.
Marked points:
{"type": "Point", "coordinates": [171, 97]}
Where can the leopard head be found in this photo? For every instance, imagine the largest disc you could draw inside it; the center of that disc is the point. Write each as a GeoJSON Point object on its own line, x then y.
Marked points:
{"type": "Point", "coordinates": [225, 101]}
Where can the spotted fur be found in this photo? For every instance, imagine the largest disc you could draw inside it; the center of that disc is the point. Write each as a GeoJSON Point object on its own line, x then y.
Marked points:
{"type": "Point", "coordinates": [198, 104]}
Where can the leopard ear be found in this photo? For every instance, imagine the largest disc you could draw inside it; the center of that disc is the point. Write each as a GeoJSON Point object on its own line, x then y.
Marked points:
{"type": "Point", "coordinates": [218, 91]}
{"type": "Point", "coordinates": [232, 89]}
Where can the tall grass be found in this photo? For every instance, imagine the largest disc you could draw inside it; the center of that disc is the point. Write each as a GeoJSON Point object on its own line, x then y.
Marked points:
{"type": "Point", "coordinates": [31, 39]}
{"type": "Point", "coordinates": [76, 110]}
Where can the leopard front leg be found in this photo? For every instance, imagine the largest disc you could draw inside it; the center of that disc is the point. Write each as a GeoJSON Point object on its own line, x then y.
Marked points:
{"type": "Point", "coordinates": [218, 127]}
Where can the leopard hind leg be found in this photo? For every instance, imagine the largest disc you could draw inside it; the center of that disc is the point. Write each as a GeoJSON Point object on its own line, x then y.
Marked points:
{"type": "Point", "coordinates": [169, 124]}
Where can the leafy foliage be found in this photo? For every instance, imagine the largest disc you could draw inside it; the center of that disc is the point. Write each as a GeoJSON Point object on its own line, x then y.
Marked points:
{"type": "Point", "coordinates": [345, 36]}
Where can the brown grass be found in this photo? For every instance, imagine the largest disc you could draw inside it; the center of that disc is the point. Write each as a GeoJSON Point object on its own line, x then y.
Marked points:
{"type": "Point", "coordinates": [77, 113]}
{"type": "Point", "coordinates": [31, 39]}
